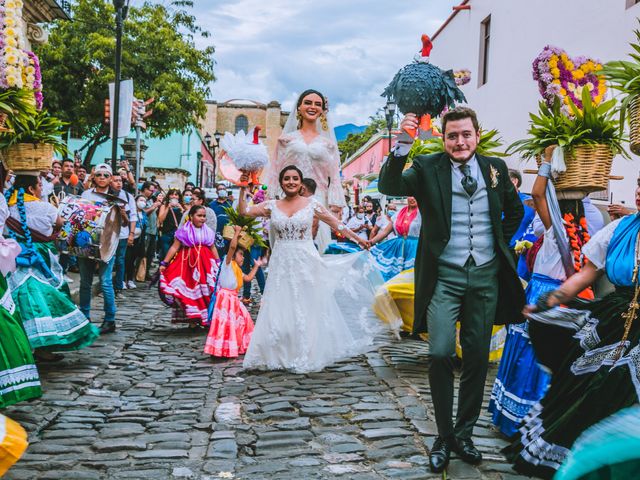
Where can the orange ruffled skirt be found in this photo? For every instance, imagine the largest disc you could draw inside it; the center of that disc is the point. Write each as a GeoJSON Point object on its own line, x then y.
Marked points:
{"type": "Point", "coordinates": [231, 326]}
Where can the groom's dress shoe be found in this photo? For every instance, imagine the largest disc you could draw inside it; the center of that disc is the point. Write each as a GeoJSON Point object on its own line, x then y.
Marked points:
{"type": "Point", "coordinates": [467, 451]}
{"type": "Point", "coordinates": [439, 454]}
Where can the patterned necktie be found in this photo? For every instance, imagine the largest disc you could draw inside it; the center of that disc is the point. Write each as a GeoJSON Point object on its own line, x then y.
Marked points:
{"type": "Point", "coordinates": [469, 183]}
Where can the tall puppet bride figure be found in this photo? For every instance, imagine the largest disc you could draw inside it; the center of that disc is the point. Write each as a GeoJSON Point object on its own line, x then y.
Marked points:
{"type": "Point", "coordinates": [309, 142]}
{"type": "Point", "coordinates": [315, 310]}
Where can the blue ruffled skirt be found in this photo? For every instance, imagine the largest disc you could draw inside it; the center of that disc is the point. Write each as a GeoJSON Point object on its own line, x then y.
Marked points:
{"type": "Point", "coordinates": [520, 382]}
{"type": "Point", "coordinates": [395, 255]}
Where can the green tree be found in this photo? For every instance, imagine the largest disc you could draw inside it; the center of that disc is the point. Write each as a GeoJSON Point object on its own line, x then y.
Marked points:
{"type": "Point", "coordinates": [354, 141]}
{"type": "Point", "coordinates": [159, 54]}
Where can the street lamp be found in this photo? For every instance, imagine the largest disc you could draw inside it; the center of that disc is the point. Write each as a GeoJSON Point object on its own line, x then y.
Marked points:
{"type": "Point", "coordinates": [389, 115]}
{"type": "Point", "coordinates": [122, 7]}
{"type": "Point", "coordinates": [211, 146]}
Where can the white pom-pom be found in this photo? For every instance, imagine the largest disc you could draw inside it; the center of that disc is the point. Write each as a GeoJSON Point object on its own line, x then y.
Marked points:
{"type": "Point", "coordinates": [245, 154]}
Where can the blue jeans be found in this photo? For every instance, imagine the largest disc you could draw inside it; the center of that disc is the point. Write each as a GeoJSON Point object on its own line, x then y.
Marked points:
{"type": "Point", "coordinates": [87, 269]}
{"type": "Point", "coordinates": [119, 263]}
{"type": "Point", "coordinates": [166, 239]}
{"type": "Point", "coordinates": [249, 261]}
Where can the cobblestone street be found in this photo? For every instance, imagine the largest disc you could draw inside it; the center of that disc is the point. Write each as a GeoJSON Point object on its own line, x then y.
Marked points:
{"type": "Point", "coordinates": [146, 403]}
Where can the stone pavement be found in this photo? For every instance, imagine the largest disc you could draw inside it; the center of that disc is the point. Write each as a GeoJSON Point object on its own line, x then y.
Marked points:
{"type": "Point", "coordinates": [145, 403]}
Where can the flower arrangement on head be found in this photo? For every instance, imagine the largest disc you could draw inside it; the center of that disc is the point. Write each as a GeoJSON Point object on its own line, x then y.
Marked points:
{"type": "Point", "coordinates": [462, 77]}
{"type": "Point", "coordinates": [19, 68]}
{"type": "Point", "coordinates": [560, 76]}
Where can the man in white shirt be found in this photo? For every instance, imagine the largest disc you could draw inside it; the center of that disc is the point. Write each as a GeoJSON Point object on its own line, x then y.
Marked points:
{"type": "Point", "coordinates": [127, 231]}
{"type": "Point", "coordinates": [359, 222]}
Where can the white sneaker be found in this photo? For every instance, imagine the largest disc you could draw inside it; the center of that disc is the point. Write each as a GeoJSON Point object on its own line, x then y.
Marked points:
{"type": "Point", "coordinates": [131, 285]}
{"type": "Point", "coordinates": [124, 286]}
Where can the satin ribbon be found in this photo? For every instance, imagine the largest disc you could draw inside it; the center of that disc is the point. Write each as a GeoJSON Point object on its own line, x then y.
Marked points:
{"type": "Point", "coordinates": [557, 223]}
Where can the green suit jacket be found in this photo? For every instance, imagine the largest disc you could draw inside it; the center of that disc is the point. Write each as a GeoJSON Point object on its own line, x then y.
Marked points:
{"type": "Point", "coordinates": [429, 181]}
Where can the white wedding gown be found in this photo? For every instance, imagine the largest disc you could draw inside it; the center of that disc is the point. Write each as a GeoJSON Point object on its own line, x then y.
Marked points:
{"type": "Point", "coordinates": [315, 310]}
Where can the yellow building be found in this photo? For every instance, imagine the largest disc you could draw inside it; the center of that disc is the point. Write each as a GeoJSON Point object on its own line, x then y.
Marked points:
{"type": "Point", "coordinates": [235, 115]}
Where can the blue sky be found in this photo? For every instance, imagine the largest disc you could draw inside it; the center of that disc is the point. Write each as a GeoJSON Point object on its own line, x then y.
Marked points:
{"type": "Point", "coordinates": [348, 49]}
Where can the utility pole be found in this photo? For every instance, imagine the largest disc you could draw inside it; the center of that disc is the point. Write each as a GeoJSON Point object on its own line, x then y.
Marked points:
{"type": "Point", "coordinates": [121, 14]}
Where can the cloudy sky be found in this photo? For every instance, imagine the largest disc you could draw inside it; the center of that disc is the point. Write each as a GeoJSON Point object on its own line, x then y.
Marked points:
{"type": "Point", "coordinates": [348, 49]}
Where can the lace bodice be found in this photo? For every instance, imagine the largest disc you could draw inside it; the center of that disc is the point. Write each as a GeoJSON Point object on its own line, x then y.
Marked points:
{"type": "Point", "coordinates": [296, 227]}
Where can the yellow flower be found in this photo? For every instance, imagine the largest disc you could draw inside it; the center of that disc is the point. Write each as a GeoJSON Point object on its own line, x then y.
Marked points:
{"type": "Point", "coordinates": [563, 91]}
{"type": "Point", "coordinates": [10, 32]}
{"type": "Point", "coordinates": [11, 42]}
{"type": "Point", "coordinates": [10, 5]}
{"type": "Point", "coordinates": [555, 72]}
{"type": "Point", "coordinates": [564, 57]}
{"type": "Point", "coordinates": [590, 86]}
{"type": "Point", "coordinates": [30, 70]}
{"type": "Point", "coordinates": [598, 67]}
{"type": "Point", "coordinates": [557, 82]}
{"type": "Point", "coordinates": [571, 86]}
{"type": "Point", "coordinates": [553, 62]}
{"type": "Point", "coordinates": [566, 100]}
{"type": "Point", "coordinates": [9, 22]}
{"type": "Point", "coordinates": [12, 81]}
{"type": "Point", "coordinates": [31, 79]}
{"type": "Point", "coordinates": [569, 65]}
{"type": "Point", "coordinates": [578, 74]}
{"type": "Point", "coordinates": [11, 59]}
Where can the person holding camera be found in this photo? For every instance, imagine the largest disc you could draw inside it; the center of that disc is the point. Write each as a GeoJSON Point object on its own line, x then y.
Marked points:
{"type": "Point", "coordinates": [154, 199]}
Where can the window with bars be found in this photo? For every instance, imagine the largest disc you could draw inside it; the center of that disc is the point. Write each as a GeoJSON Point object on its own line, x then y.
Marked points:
{"type": "Point", "coordinates": [485, 42]}
{"type": "Point", "coordinates": [242, 123]}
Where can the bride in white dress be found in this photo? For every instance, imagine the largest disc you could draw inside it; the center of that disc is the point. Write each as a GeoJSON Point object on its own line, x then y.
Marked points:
{"type": "Point", "coordinates": [314, 310]}
{"type": "Point", "coordinates": [308, 141]}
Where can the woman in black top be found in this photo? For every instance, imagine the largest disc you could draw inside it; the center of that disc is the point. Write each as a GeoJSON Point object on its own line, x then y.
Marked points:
{"type": "Point", "coordinates": [169, 217]}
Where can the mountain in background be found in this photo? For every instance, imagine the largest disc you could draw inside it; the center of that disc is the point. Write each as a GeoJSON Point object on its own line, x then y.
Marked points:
{"type": "Point", "coordinates": [343, 131]}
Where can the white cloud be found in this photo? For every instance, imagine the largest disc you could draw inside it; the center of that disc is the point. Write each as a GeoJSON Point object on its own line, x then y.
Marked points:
{"type": "Point", "coordinates": [349, 50]}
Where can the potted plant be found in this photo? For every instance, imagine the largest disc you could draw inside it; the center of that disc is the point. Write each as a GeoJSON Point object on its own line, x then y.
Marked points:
{"type": "Point", "coordinates": [15, 102]}
{"type": "Point", "coordinates": [589, 138]}
{"type": "Point", "coordinates": [251, 229]}
{"type": "Point", "coordinates": [624, 76]}
{"type": "Point", "coordinates": [32, 141]}
{"type": "Point", "coordinates": [489, 145]}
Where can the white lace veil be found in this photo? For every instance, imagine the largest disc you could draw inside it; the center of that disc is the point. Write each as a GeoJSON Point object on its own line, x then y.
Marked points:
{"type": "Point", "coordinates": [292, 121]}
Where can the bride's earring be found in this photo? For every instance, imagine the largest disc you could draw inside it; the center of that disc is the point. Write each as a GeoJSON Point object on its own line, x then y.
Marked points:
{"type": "Point", "coordinates": [299, 118]}
{"type": "Point", "coordinates": [323, 122]}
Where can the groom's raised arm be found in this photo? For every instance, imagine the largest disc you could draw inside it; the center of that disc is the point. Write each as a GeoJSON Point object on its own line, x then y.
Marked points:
{"type": "Point", "coordinates": [396, 181]}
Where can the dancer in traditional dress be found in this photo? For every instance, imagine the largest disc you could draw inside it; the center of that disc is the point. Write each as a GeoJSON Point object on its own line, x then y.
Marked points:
{"type": "Point", "coordinates": [19, 379]}
{"type": "Point", "coordinates": [13, 443]}
{"type": "Point", "coordinates": [231, 325]}
{"type": "Point", "coordinates": [188, 271]}
{"type": "Point", "coordinates": [308, 141]}
{"type": "Point", "coordinates": [399, 253]}
{"type": "Point", "coordinates": [51, 319]}
{"type": "Point", "coordinates": [315, 310]}
{"type": "Point", "coordinates": [591, 348]}
{"type": "Point", "coordinates": [395, 245]}
{"type": "Point", "coordinates": [520, 382]}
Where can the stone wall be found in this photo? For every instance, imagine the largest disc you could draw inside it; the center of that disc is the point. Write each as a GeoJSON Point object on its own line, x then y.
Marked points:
{"type": "Point", "coordinates": [222, 117]}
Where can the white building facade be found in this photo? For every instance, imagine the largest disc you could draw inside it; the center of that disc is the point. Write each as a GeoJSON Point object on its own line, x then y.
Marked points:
{"type": "Point", "coordinates": [499, 39]}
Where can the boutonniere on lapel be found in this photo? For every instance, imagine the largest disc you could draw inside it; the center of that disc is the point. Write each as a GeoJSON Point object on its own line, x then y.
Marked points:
{"type": "Point", "coordinates": [494, 176]}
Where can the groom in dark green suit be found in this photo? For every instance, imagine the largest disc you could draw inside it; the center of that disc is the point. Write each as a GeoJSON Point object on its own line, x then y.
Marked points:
{"type": "Point", "coordinates": [464, 268]}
